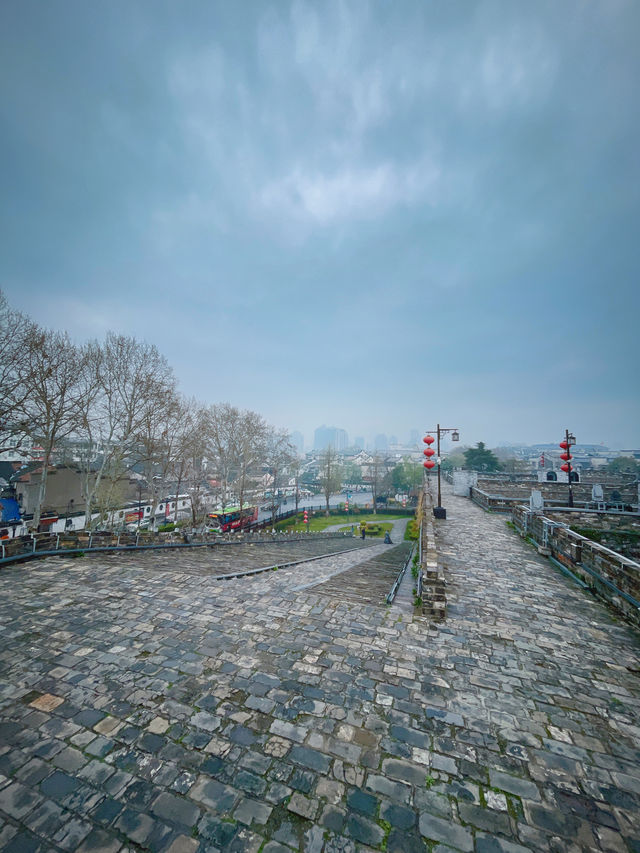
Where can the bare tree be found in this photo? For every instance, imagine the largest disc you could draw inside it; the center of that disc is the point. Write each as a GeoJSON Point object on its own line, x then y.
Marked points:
{"type": "Point", "coordinates": [50, 409]}
{"type": "Point", "coordinates": [220, 427]}
{"type": "Point", "coordinates": [125, 382]}
{"type": "Point", "coordinates": [295, 467]}
{"type": "Point", "coordinates": [330, 474]}
{"type": "Point", "coordinates": [18, 334]}
{"type": "Point", "coordinates": [250, 449]}
{"type": "Point", "coordinates": [195, 451]}
{"type": "Point", "coordinates": [377, 471]}
{"type": "Point", "coordinates": [278, 456]}
{"type": "Point", "coordinates": [157, 440]}
{"type": "Point", "coordinates": [188, 446]}
{"type": "Point", "coordinates": [236, 441]}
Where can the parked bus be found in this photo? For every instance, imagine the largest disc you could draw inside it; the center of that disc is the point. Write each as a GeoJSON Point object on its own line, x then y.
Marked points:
{"type": "Point", "coordinates": [232, 518]}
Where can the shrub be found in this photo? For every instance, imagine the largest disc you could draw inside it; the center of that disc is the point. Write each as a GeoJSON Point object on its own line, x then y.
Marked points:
{"type": "Point", "coordinates": [412, 531]}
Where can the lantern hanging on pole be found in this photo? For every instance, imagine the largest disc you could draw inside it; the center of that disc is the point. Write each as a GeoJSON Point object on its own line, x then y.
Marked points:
{"type": "Point", "coordinates": [428, 451]}
{"type": "Point", "coordinates": [564, 445]}
{"type": "Point", "coordinates": [566, 456]}
{"type": "Point", "coordinates": [429, 464]}
{"type": "Point", "coordinates": [564, 467]}
{"type": "Point", "coordinates": [428, 439]}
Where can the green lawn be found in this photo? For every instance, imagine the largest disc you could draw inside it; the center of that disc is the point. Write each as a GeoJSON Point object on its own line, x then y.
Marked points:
{"type": "Point", "coordinates": [318, 523]}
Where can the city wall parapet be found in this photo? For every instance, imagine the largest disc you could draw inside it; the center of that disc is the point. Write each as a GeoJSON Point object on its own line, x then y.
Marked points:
{"type": "Point", "coordinates": [608, 574]}
{"type": "Point", "coordinates": [431, 581]}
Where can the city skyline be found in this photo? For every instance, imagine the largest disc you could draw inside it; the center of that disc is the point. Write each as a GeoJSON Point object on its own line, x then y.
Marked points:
{"type": "Point", "coordinates": [389, 216]}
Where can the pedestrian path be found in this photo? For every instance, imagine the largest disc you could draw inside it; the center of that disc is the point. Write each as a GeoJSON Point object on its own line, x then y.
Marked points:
{"type": "Point", "coordinates": [150, 706]}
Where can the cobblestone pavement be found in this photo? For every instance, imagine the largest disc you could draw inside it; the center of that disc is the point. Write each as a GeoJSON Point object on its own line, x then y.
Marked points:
{"type": "Point", "coordinates": [223, 557]}
{"type": "Point", "coordinates": [162, 709]}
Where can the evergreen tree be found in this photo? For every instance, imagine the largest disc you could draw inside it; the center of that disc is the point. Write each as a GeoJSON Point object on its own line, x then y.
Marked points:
{"type": "Point", "coordinates": [478, 458]}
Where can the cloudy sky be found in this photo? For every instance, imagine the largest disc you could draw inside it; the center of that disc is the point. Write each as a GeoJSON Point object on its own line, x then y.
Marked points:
{"type": "Point", "coordinates": [369, 214]}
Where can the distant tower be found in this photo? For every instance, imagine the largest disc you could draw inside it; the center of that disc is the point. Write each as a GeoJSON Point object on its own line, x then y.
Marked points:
{"type": "Point", "coordinates": [358, 442]}
{"type": "Point", "coordinates": [380, 442]}
{"type": "Point", "coordinates": [341, 440]}
{"type": "Point", "coordinates": [326, 436]}
{"type": "Point", "coordinates": [321, 437]}
{"type": "Point", "coordinates": [414, 437]}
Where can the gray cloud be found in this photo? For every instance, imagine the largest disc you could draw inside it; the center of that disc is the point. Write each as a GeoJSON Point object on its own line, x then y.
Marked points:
{"type": "Point", "coordinates": [452, 188]}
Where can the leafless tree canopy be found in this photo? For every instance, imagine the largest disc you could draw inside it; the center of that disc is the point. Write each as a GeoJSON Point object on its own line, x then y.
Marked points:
{"type": "Point", "coordinates": [118, 400]}
{"type": "Point", "coordinates": [330, 474]}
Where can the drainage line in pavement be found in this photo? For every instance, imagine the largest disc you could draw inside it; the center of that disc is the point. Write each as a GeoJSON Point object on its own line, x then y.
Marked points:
{"type": "Point", "coordinates": [280, 566]}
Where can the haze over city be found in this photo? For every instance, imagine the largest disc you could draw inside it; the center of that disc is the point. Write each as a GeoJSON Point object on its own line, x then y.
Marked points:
{"type": "Point", "coordinates": [378, 217]}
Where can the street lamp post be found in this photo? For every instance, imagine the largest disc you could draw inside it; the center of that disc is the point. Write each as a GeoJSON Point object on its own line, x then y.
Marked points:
{"type": "Point", "coordinates": [439, 511]}
{"type": "Point", "coordinates": [566, 445]}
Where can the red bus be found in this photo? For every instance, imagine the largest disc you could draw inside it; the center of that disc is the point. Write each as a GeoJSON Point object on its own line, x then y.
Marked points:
{"type": "Point", "coordinates": [232, 518]}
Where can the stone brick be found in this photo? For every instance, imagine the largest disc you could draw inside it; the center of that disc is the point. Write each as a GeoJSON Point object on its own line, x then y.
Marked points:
{"type": "Point", "coordinates": [301, 805]}
{"type": "Point", "coordinates": [445, 831]}
{"type": "Point", "coordinates": [175, 809]}
{"type": "Point", "coordinates": [514, 785]}
{"type": "Point", "coordinates": [364, 830]}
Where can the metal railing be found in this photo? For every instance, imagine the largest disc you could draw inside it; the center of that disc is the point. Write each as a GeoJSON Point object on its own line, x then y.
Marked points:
{"type": "Point", "coordinates": [396, 584]}
{"type": "Point", "coordinates": [612, 576]}
{"type": "Point", "coordinates": [57, 544]}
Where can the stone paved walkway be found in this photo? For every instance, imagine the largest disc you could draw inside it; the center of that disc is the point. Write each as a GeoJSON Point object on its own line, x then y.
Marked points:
{"type": "Point", "coordinates": [147, 707]}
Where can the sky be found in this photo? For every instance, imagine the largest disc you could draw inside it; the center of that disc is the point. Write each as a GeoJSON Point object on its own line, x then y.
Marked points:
{"type": "Point", "coordinates": [378, 216]}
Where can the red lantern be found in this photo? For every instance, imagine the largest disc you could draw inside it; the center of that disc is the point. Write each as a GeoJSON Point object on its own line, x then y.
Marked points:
{"type": "Point", "coordinates": [428, 452]}
{"type": "Point", "coordinates": [566, 456]}
{"type": "Point", "coordinates": [564, 467]}
{"type": "Point", "coordinates": [428, 439]}
{"type": "Point", "coordinates": [429, 463]}
{"type": "Point", "coordinates": [564, 445]}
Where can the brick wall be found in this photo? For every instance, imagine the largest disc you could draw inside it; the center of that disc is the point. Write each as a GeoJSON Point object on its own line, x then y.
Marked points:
{"type": "Point", "coordinates": [555, 491]}
{"type": "Point", "coordinates": [608, 574]}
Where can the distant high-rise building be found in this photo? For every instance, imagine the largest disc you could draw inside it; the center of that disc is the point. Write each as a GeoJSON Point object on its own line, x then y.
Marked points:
{"type": "Point", "coordinates": [297, 440]}
{"type": "Point", "coordinates": [381, 442]}
{"type": "Point", "coordinates": [358, 442]}
{"type": "Point", "coordinates": [334, 437]}
{"type": "Point", "coordinates": [414, 437]}
{"type": "Point", "coordinates": [393, 439]}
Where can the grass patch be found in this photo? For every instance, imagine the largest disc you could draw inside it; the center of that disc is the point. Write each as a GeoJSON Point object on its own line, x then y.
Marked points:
{"type": "Point", "coordinates": [319, 522]}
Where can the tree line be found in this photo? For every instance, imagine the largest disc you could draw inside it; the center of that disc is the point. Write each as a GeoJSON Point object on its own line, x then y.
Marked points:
{"type": "Point", "coordinates": [118, 401]}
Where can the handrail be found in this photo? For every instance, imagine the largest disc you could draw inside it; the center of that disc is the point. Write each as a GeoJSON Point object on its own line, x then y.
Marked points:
{"type": "Point", "coordinates": [586, 551]}
{"type": "Point", "coordinates": [89, 549]}
{"type": "Point", "coordinates": [396, 584]}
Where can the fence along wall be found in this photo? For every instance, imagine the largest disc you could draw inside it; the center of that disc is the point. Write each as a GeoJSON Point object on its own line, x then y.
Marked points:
{"type": "Point", "coordinates": [503, 497]}
{"type": "Point", "coordinates": [558, 491]}
{"type": "Point", "coordinates": [609, 575]}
